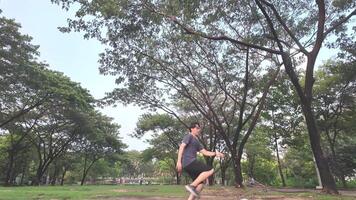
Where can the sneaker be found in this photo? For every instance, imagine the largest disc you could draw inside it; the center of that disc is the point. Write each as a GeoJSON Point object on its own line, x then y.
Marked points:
{"type": "Point", "coordinates": [192, 190]}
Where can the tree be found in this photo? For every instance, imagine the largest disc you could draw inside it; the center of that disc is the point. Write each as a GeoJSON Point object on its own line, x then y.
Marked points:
{"type": "Point", "coordinates": [66, 162]}
{"type": "Point", "coordinates": [18, 71]}
{"type": "Point", "coordinates": [276, 21]}
{"type": "Point", "coordinates": [335, 106]}
{"type": "Point", "coordinates": [16, 147]}
{"type": "Point", "coordinates": [61, 120]}
{"type": "Point", "coordinates": [285, 31]}
{"type": "Point", "coordinates": [259, 158]}
{"type": "Point", "coordinates": [101, 141]}
{"type": "Point", "coordinates": [298, 156]}
{"type": "Point", "coordinates": [166, 138]}
{"type": "Point", "coordinates": [44, 115]}
{"type": "Point", "coordinates": [221, 87]}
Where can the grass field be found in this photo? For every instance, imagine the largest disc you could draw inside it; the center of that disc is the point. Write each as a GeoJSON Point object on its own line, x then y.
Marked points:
{"type": "Point", "coordinates": [88, 192]}
{"type": "Point", "coordinates": [145, 192]}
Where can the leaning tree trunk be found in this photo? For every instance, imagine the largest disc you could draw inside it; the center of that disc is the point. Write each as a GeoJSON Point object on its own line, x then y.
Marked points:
{"type": "Point", "coordinates": [279, 162]}
{"type": "Point", "coordinates": [305, 97]}
{"type": "Point", "coordinates": [327, 179]}
{"type": "Point", "coordinates": [86, 169]}
{"type": "Point", "coordinates": [63, 174]}
{"type": "Point", "coordinates": [41, 170]}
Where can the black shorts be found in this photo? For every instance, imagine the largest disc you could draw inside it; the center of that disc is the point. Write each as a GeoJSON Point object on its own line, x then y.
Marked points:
{"type": "Point", "coordinates": [195, 168]}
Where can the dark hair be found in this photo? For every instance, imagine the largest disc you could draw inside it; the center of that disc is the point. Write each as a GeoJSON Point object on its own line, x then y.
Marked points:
{"type": "Point", "coordinates": [193, 125]}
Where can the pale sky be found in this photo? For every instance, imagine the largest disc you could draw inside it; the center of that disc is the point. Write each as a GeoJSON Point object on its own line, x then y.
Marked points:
{"type": "Point", "coordinates": [71, 54]}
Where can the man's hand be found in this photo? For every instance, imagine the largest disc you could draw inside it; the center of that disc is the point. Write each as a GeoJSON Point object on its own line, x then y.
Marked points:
{"type": "Point", "coordinates": [179, 168]}
{"type": "Point", "coordinates": [219, 154]}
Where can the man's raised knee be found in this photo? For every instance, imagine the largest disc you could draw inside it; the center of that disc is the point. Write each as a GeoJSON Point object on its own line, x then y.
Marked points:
{"type": "Point", "coordinates": [211, 171]}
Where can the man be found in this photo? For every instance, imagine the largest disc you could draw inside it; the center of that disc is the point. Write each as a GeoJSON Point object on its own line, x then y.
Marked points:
{"type": "Point", "coordinates": [187, 160]}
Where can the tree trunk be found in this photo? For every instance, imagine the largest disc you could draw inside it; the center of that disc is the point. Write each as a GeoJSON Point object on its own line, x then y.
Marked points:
{"type": "Point", "coordinates": [223, 175]}
{"type": "Point", "coordinates": [279, 162]}
{"type": "Point", "coordinates": [305, 97]}
{"type": "Point", "coordinates": [54, 175]}
{"type": "Point", "coordinates": [223, 167]}
{"type": "Point", "coordinates": [9, 170]}
{"type": "Point", "coordinates": [23, 173]}
{"type": "Point", "coordinates": [83, 178]}
{"type": "Point", "coordinates": [344, 184]}
{"type": "Point", "coordinates": [63, 174]}
{"type": "Point", "coordinates": [327, 179]}
{"type": "Point", "coordinates": [84, 172]}
{"type": "Point", "coordinates": [39, 175]}
{"type": "Point", "coordinates": [236, 161]}
{"type": "Point", "coordinates": [177, 178]}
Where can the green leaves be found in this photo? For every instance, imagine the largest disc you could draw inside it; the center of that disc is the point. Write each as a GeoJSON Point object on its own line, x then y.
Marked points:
{"type": "Point", "coordinates": [45, 111]}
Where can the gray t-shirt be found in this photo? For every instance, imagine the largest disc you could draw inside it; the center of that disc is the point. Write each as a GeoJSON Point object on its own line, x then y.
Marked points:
{"type": "Point", "coordinates": [192, 147]}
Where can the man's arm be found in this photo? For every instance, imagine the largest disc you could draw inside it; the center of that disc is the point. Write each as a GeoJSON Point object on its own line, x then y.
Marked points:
{"type": "Point", "coordinates": [180, 155]}
{"type": "Point", "coordinates": [211, 153]}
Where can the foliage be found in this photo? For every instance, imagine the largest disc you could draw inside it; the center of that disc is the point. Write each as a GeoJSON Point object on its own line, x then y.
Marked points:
{"type": "Point", "coordinates": [260, 162]}
{"type": "Point", "coordinates": [300, 165]}
{"type": "Point", "coordinates": [336, 102]}
{"type": "Point", "coordinates": [44, 116]}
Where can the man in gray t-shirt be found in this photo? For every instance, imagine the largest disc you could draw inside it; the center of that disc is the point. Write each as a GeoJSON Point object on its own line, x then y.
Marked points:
{"type": "Point", "coordinates": [187, 160]}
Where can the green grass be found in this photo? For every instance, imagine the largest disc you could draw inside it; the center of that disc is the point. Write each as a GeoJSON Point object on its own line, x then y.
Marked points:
{"type": "Point", "coordinates": [112, 192]}
{"type": "Point", "coordinates": [88, 192]}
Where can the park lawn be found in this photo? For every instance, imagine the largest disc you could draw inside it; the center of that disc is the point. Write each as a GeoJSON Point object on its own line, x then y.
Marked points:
{"type": "Point", "coordinates": [111, 192]}
{"type": "Point", "coordinates": [89, 192]}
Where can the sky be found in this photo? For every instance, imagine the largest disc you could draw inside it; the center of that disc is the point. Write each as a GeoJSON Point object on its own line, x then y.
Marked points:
{"type": "Point", "coordinates": [71, 54]}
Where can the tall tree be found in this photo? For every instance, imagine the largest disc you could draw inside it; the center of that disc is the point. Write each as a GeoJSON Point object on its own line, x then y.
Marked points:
{"type": "Point", "coordinates": [62, 120]}
{"type": "Point", "coordinates": [101, 141]}
{"type": "Point", "coordinates": [282, 28]}
{"type": "Point", "coordinates": [220, 87]}
{"type": "Point", "coordinates": [335, 109]}
{"type": "Point", "coordinates": [259, 163]}
{"type": "Point", "coordinates": [167, 135]}
{"type": "Point", "coordinates": [18, 72]}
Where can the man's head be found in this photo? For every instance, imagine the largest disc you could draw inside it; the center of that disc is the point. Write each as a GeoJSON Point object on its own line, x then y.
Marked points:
{"type": "Point", "coordinates": [194, 128]}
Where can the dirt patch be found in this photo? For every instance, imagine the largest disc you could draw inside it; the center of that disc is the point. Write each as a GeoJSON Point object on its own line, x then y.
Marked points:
{"type": "Point", "coordinates": [147, 198]}
{"type": "Point", "coordinates": [120, 191]}
{"type": "Point", "coordinates": [350, 193]}
{"type": "Point", "coordinates": [204, 197]}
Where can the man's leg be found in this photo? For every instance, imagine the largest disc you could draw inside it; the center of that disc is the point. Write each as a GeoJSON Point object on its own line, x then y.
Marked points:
{"type": "Point", "coordinates": [202, 176]}
{"type": "Point", "coordinates": [199, 188]}
{"type": "Point", "coordinates": [199, 173]}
